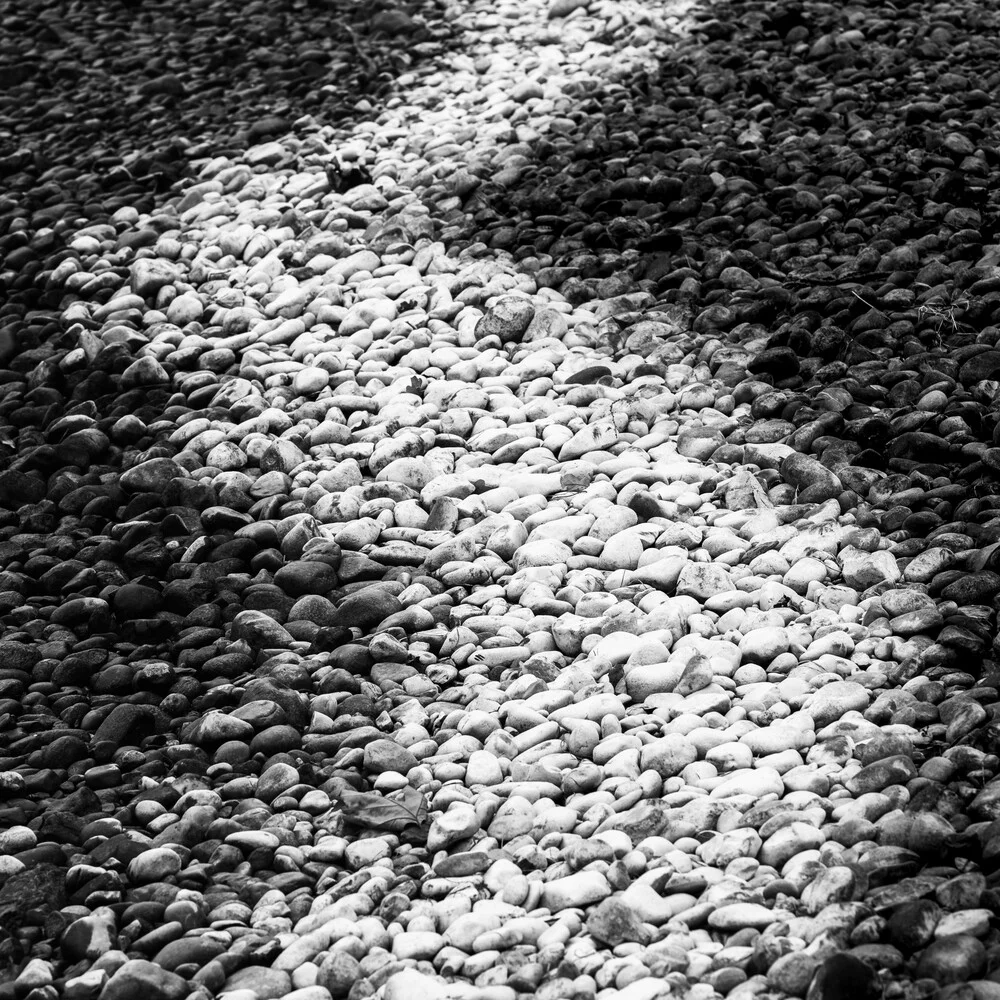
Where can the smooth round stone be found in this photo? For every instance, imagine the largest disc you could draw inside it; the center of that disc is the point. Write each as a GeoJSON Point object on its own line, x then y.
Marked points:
{"type": "Point", "coordinates": [579, 890]}
{"type": "Point", "coordinates": [154, 865]}
{"type": "Point", "coordinates": [152, 476]}
{"type": "Point", "coordinates": [897, 770]}
{"type": "Point", "coordinates": [302, 577]}
{"type": "Point", "coordinates": [137, 977]}
{"type": "Point", "coordinates": [702, 580]}
{"type": "Point", "coordinates": [514, 818]}
{"type": "Point", "coordinates": [483, 768]}
{"type": "Point", "coordinates": [310, 381]}
{"type": "Point", "coordinates": [259, 981]}
{"type": "Point", "coordinates": [338, 972]}
{"type": "Point", "coordinates": [417, 945]}
{"type": "Point", "coordinates": [275, 780]}
{"type": "Point", "coordinates": [188, 951]}
{"type": "Point", "coordinates": [415, 473]}
{"type": "Point", "coordinates": [409, 984]}
{"type": "Point", "coordinates": [217, 728]}
{"type": "Point", "coordinates": [668, 755]}
{"type": "Point", "coordinates": [756, 783]}
{"type": "Point", "coordinates": [90, 936]}
{"type": "Point", "coordinates": [724, 848]}
{"type": "Point", "coordinates": [836, 884]}
{"type": "Point", "coordinates": [463, 930]}
{"type": "Point", "coordinates": [382, 756]}
{"type": "Point", "coordinates": [459, 822]}
{"type": "Point", "coordinates": [785, 844]}
{"type": "Point", "coordinates": [260, 713]}
{"type": "Point", "coordinates": [966, 922]}
{"type": "Point", "coordinates": [367, 852]}
{"type": "Point", "coordinates": [762, 645]}
{"type": "Point", "coordinates": [834, 700]}
{"type": "Point", "coordinates": [953, 959]}
{"type": "Point", "coordinates": [260, 631]}
{"type": "Point", "coordinates": [792, 973]}
{"type": "Point", "coordinates": [813, 481]}
{"type": "Point", "coordinates": [730, 756]}
{"type": "Point", "coordinates": [15, 839]}
{"type": "Point", "coordinates": [144, 372]}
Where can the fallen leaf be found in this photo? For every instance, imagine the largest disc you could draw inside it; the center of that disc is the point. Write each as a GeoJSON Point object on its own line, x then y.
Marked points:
{"type": "Point", "coordinates": [405, 813]}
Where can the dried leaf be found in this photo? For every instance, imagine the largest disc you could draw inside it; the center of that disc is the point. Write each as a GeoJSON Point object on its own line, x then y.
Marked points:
{"type": "Point", "coordinates": [406, 813]}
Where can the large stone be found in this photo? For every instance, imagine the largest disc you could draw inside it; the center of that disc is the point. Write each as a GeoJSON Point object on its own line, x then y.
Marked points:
{"type": "Point", "coordinates": [264, 983]}
{"type": "Point", "coordinates": [301, 577]}
{"type": "Point", "coordinates": [577, 890]}
{"type": "Point", "coordinates": [613, 922]}
{"type": "Point", "coordinates": [703, 580]}
{"type": "Point", "coordinates": [955, 958]}
{"type": "Point", "coordinates": [153, 476]}
{"type": "Point", "coordinates": [507, 319]}
{"type": "Point", "coordinates": [832, 701]}
{"type": "Point", "coordinates": [844, 977]}
{"type": "Point", "coordinates": [813, 481]}
{"type": "Point", "coordinates": [861, 569]}
{"type": "Point", "coordinates": [139, 978]}
{"type": "Point", "coordinates": [260, 631]}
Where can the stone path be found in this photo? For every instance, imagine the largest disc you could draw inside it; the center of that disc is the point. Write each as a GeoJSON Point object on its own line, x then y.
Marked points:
{"type": "Point", "coordinates": [532, 534]}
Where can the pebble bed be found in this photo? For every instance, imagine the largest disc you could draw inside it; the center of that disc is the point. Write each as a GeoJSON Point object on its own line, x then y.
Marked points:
{"type": "Point", "coordinates": [526, 528]}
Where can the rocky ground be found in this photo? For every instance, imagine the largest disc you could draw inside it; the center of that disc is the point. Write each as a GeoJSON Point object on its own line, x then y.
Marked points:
{"type": "Point", "coordinates": [499, 499]}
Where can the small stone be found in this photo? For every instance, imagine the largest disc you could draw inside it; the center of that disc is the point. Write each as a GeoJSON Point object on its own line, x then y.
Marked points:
{"type": "Point", "coordinates": [387, 756]}
{"type": "Point", "coordinates": [612, 922]}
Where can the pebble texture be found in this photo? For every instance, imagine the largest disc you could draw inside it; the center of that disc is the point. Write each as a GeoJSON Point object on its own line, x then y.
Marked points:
{"type": "Point", "coordinates": [507, 509]}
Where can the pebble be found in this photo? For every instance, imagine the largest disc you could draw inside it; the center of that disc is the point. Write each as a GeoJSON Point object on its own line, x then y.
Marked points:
{"type": "Point", "coordinates": [510, 575]}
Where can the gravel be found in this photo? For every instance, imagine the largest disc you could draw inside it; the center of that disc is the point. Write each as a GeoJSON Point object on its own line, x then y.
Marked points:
{"type": "Point", "coordinates": [499, 500]}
